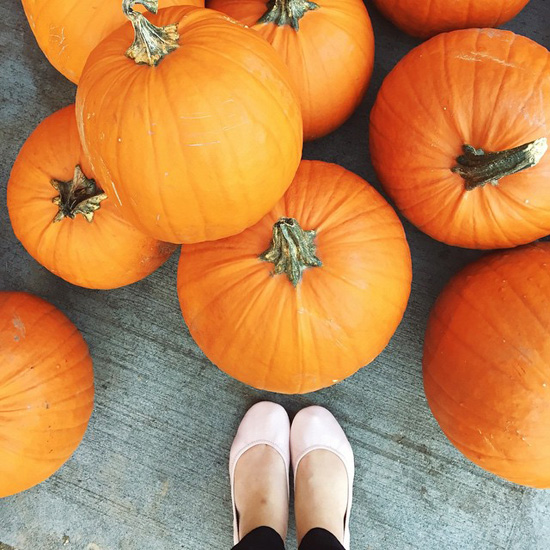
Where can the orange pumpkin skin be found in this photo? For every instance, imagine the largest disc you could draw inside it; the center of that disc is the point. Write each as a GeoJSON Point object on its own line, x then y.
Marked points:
{"type": "Point", "coordinates": [260, 329]}
{"type": "Point", "coordinates": [68, 30]}
{"type": "Point", "coordinates": [106, 253]}
{"type": "Point", "coordinates": [425, 19]}
{"type": "Point", "coordinates": [330, 56]}
{"type": "Point", "coordinates": [419, 127]}
{"type": "Point", "coordinates": [487, 363]}
{"type": "Point", "coordinates": [200, 146]}
{"type": "Point", "coordinates": [46, 390]}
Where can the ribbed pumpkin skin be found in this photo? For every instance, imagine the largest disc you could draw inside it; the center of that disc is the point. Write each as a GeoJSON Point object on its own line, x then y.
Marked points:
{"type": "Point", "coordinates": [486, 88]}
{"type": "Point", "coordinates": [260, 329]}
{"type": "Point", "coordinates": [106, 253]}
{"type": "Point", "coordinates": [68, 30]}
{"type": "Point", "coordinates": [425, 19]}
{"type": "Point", "coordinates": [46, 390]}
{"type": "Point", "coordinates": [200, 146]}
{"type": "Point", "coordinates": [487, 363]}
{"type": "Point", "coordinates": [330, 57]}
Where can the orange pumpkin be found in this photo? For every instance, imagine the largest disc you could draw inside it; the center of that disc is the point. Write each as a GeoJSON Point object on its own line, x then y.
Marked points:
{"type": "Point", "coordinates": [308, 295]}
{"type": "Point", "coordinates": [462, 150]}
{"type": "Point", "coordinates": [68, 30]}
{"type": "Point", "coordinates": [487, 363]}
{"type": "Point", "coordinates": [424, 19]}
{"type": "Point", "coordinates": [201, 143]}
{"type": "Point", "coordinates": [328, 46]}
{"type": "Point", "coordinates": [64, 219]}
{"type": "Point", "coordinates": [46, 390]}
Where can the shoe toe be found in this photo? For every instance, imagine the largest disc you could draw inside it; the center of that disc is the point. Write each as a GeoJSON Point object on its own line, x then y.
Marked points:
{"type": "Point", "coordinates": [264, 423]}
{"type": "Point", "coordinates": [316, 428]}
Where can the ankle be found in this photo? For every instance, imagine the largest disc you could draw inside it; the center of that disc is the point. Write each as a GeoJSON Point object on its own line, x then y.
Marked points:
{"type": "Point", "coordinates": [321, 494]}
{"type": "Point", "coordinates": [261, 494]}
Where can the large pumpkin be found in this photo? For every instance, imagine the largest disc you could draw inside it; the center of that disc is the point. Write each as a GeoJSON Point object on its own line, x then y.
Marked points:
{"type": "Point", "coordinates": [462, 150]}
{"type": "Point", "coordinates": [328, 46]}
{"type": "Point", "coordinates": [309, 294]}
{"type": "Point", "coordinates": [199, 139]}
{"type": "Point", "coordinates": [65, 220]}
{"type": "Point", "coordinates": [487, 363]}
{"type": "Point", "coordinates": [46, 390]}
{"type": "Point", "coordinates": [424, 19]}
{"type": "Point", "coordinates": [68, 30]}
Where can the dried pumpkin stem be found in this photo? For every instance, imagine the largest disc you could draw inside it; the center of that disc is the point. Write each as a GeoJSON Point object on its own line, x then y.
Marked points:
{"type": "Point", "coordinates": [478, 168]}
{"type": "Point", "coordinates": [77, 196]}
{"type": "Point", "coordinates": [151, 43]}
{"type": "Point", "coordinates": [287, 12]}
{"type": "Point", "coordinates": [292, 250]}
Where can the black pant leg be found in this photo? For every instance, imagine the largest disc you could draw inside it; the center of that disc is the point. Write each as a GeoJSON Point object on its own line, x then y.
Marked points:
{"type": "Point", "coordinates": [261, 538]}
{"type": "Point", "coordinates": [320, 539]}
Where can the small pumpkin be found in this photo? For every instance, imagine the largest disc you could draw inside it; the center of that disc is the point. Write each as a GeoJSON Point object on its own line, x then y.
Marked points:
{"type": "Point", "coordinates": [487, 363]}
{"type": "Point", "coordinates": [68, 30]}
{"type": "Point", "coordinates": [199, 133]}
{"type": "Point", "coordinates": [425, 19]}
{"type": "Point", "coordinates": [46, 390]}
{"type": "Point", "coordinates": [308, 295]}
{"type": "Point", "coordinates": [463, 150]}
{"type": "Point", "coordinates": [328, 45]}
{"type": "Point", "coordinates": [66, 222]}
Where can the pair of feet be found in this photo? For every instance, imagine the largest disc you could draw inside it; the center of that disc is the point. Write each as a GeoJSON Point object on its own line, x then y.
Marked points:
{"type": "Point", "coordinates": [322, 461]}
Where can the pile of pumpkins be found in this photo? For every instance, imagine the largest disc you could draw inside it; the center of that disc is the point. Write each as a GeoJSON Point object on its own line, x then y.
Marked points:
{"type": "Point", "coordinates": [188, 129]}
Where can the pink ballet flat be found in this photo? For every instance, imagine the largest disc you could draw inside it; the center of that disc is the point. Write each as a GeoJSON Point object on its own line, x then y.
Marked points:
{"type": "Point", "coordinates": [265, 423]}
{"type": "Point", "coordinates": [316, 428]}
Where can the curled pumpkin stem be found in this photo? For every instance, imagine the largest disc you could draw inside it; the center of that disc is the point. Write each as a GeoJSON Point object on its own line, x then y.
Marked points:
{"type": "Point", "coordinates": [292, 250]}
{"type": "Point", "coordinates": [478, 168]}
{"type": "Point", "coordinates": [151, 43]}
{"type": "Point", "coordinates": [77, 196]}
{"type": "Point", "coordinates": [287, 12]}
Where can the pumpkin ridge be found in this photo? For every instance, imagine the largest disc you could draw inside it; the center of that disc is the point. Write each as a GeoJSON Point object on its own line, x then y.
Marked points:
{"type": "Point", "coordinates": [520, 298]}
{"type": "Point", "coordinates": [255, 292]}
{"type": "Point", "coordinates": [212, 299]}
{"type": "Point", "coordinates": [497, 224]}
{"type": "Point", "coordinates": [506, 459]}
{"type": "Point", "coordinates": [327, 225]}
{"type": "Point", "coordinates": [447, 75]}
{"type": "Point", "coordinates": [512, 204]}
{"type": "Point", "coordinates": [473, 306]}
{"type": "Point", "coordinates": [504, 74]}
{"type": "Point", "coordinates": [165, 205]}
{"type": "Point", "coordinates": [228, 144]}
{"type": "Point", "coordinates": [44, 315]}
{"type": "Point", "coordinates": [236, 63]}
{"type": "Point", "coordinates": [261, 82]}
{"type": "Point", "coordinates": [57, 373]}
{"type": "Point", "coordinates": [455, 200]}
{"type": "Point", "coordinates": [543, 73]}
{"type": "Point", "coordinates": [452, 418]}
{"type": "Point", "coordinates": [393, 111]}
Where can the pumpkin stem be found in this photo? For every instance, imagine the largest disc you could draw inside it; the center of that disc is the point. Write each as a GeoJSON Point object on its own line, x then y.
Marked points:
{"type": "Point", "coordinates": [292, 250]}
{"type": "Point", "coordinates": [77, 196]}
{"type": "Point", "coordinates": [287, 12]}
{"type": "Point", "coordinates": [478, 167]}
{"type": "Point", "coordinates": [151, 43]}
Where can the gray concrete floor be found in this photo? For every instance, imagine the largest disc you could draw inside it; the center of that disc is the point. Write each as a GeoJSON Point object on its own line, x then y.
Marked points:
{"type": "Point", "coordinates": [151, 472]}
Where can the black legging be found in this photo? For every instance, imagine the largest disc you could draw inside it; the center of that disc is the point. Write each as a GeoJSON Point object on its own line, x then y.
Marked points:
{"type": "Point", "coordinates": [266, 538]}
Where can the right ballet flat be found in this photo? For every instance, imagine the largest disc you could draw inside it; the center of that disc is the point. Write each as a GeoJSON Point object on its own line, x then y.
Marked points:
{"type": "Point", "coordinates": [265, 423]}
{"type": "Point", "coordinates": [316, 428]}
